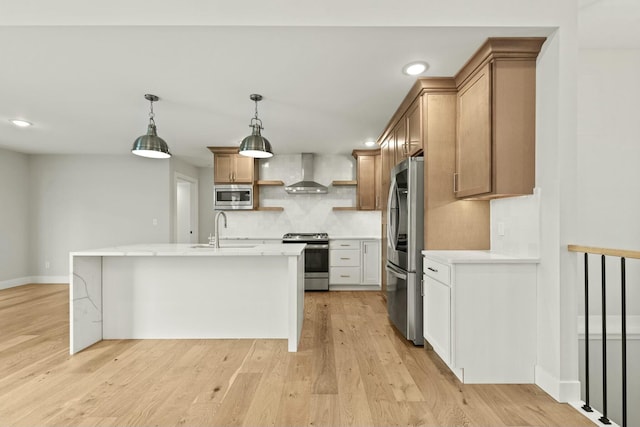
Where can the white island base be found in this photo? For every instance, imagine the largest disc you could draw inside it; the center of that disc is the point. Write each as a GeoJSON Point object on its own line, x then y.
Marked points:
{"type": "Point", "coordinates": [176, 291]}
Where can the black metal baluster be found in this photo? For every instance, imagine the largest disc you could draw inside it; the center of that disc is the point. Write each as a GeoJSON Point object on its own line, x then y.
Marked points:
{"type": "Point", "coordinates": [603, 419]}
{"type": "Point", "coordinates": [586, 405]}
{"type": "Point", "coordinates": [624, 340]}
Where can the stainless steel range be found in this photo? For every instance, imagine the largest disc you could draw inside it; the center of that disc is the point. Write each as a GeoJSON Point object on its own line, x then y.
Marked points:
{"type": "Point", "coordinates": [316, 259]}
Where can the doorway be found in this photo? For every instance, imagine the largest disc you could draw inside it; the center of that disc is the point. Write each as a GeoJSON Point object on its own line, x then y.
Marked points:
{"type": "Point", "coordinates": [186, 209]}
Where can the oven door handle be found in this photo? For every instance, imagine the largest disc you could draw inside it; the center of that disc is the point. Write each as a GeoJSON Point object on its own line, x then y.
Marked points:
{"type": "Point", "coordinates": [313, 246]}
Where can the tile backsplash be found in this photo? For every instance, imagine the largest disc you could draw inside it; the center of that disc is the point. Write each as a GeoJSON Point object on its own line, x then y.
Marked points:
{"type": "Point", "coordinates": [302, 213]}
{"type": "Point", "coordinates": [515, 225]}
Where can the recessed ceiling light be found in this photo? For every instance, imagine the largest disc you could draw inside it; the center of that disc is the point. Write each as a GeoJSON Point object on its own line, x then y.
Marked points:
{"type": "Point", "coordinates": [415, 68]}
{"type": "Point", "coordinates": [370, 143]}
{"type": "Point", "coordinates": [20, 123]}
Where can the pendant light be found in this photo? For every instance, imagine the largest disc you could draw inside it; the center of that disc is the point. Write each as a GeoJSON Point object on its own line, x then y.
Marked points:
{"type": "Point", "coordinates": [151, 145]}
{"type": "Point", "coordinates": [256, 145]}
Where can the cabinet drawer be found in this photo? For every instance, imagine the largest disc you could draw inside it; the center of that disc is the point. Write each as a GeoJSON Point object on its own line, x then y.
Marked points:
{"type": "Point", "coordinates": [344, 275]}
{"type": "Point", "coordinates": [345, 258]}
{"type": "Point", "coordinates": [437, 270]}
{"type": "Point", "coordinates": [344, 244]}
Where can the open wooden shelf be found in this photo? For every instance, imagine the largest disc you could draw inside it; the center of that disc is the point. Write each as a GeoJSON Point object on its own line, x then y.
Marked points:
{"type": "Point", "coordinates": [338, 183]}
{"type": "Point", "coordinates": [345, 208]}
{"type": "Point", "coordinates": [273, 182]}
{"type": "Point", "coordinates": [269, 208]}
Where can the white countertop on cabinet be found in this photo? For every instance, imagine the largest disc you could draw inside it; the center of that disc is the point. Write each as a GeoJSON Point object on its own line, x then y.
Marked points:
{"type": "Point", "coordinates": [354, 238]}
{"type": "Point", "coordinates": [190, 249]}
{"type": "Point", "coordinates": [477, 257]}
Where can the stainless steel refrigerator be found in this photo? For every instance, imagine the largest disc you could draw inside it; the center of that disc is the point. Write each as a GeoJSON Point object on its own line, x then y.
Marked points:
{"type": "Point", "coordinates": [405, 231]}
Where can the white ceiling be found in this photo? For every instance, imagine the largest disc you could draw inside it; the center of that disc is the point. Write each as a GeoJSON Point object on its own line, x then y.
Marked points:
{"type": "Point", "coordinates": [326, 89]}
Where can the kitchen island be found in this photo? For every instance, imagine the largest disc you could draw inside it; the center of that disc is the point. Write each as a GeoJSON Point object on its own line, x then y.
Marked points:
{"type": "Point", "coordinates": [174, 291]}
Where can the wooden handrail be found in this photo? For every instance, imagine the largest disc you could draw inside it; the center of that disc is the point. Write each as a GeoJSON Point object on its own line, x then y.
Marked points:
{"type": "Point", "coordinates": [604, 251]}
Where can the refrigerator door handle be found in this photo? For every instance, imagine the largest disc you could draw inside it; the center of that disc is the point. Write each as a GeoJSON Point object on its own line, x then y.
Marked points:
{"type": "Point", "coordinates": [396, 272]}
{"type": "Point", "coordinates": [392, 215]}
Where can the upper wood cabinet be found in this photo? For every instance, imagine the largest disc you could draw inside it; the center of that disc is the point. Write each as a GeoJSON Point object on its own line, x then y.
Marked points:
{"type": "Point", "coordinates": [367, 196]}
{"type": "Point", "coordinates": [495, 143]}
{"type": "Point", "coordinates": [429, 113]}
{"type": "Point", "coordinates": [231, 168]}
{"type": "Point", "coordinates": [413, 143]}
{"type": "Point", "coordinates": [387, 160]}
{"type": "Point", "coordinates": [400, 141]}
{"type": "Point", "coordinates": [473, 145]}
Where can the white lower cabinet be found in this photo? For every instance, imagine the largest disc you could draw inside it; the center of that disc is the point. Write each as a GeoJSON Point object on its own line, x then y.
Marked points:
{"type": "Point", "coordinates": [437, 317]}
{"type": "Point", "coordinates": [354, 264]}
{"type": "Point", "coordinates": [480, 318]}
{"type": "Point", "coordinates": [370, 262]}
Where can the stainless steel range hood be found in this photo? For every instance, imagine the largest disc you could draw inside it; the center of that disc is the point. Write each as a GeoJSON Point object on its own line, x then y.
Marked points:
{"type": "Point", "coordinates": [307, 185]}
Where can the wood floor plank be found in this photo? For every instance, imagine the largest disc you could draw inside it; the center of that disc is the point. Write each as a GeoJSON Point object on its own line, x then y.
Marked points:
{"type": "Point", "coordinates": [352, 369]}
{"type": "Point", "coordinates": [323, 357]}
{"type": "Point", "coordinates": [219, 369]}
{"type": "Point", "coordinates": [354, 406]}
{"type": "Point", "coordinates": [233, 408]}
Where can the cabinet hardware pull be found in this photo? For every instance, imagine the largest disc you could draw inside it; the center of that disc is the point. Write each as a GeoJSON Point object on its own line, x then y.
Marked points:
{"type": "Point", "coordinates": [432, 269]}
{"type": "Point", "coordinates": [455, 182]}
{"type": "Point", "coordinates": [344, 245]}
{"type": "Point", "coordinates": [344, 275]}
{"type": "Point", "coordinates": [345, 258]}
{"type": "Point", "coordinates": [422, 288]}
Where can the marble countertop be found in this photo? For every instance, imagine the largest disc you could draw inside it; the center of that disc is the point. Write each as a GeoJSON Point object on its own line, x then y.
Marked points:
{"type": "Point", "coordinates": [192, 249]}
{"type": "Point", "coordinates": [477, 257]}
{"type": "Point", "coordinates": [250, 238]}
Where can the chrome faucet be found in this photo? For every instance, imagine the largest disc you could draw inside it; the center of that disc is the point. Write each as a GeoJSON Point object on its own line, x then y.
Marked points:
{"type": "Point", "coordinates": [216, 229]}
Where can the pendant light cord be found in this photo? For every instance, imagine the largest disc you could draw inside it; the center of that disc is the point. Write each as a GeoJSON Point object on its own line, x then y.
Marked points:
{"type": "Point", "coordinates": [255, 117]}
{"type": "Point", "coordinates": [151, 114]}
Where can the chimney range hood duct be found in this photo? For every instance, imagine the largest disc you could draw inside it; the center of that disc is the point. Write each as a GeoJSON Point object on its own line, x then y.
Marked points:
{"type": "Point", "coordinates": [307, 185]}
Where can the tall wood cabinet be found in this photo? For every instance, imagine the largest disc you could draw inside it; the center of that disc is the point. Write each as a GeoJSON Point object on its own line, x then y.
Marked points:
{"type": "Point", "coordinates": [495, 146]}
{"type": "Point", "coordinates": [428, 113]}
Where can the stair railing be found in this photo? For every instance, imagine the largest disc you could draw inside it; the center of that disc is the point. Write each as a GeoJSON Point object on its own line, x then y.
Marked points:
{"type": "Point", "coordinates": [622, 254]}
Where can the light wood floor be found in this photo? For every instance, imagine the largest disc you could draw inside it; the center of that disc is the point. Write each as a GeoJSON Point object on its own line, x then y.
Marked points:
{"type": "Point", "coordinates": [352, 369]}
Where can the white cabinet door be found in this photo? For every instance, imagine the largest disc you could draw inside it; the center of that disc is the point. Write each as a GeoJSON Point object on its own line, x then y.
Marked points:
{"type": "Point", "coordinates": [437, 317]}
{"type": "Point", "coordinates": [370, 262]}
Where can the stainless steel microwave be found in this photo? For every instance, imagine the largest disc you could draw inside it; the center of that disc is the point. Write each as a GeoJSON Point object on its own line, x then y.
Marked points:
{"type": "Point", "coordinates": [232, 197]}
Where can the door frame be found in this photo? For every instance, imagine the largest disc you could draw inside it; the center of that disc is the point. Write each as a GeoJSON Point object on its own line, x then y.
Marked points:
{"type": "Point", "coordinates": [193, 184]}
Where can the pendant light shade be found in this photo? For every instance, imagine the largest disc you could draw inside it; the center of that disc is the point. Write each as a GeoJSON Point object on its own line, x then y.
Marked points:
{"type": "Point", "coordinates": [151, 145]}
{"type": "Point", "coordinates": [256, 145]}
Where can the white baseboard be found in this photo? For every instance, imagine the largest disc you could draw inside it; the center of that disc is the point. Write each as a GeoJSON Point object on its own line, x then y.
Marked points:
{"type": "Point", "coordinates": [6, 284]}
{"type": "Point", "coordinates": [354, 287]}
{"type": "Point", "coordinates": [562, 391]}
{"type": "Point", "coordinates": [51, 279]}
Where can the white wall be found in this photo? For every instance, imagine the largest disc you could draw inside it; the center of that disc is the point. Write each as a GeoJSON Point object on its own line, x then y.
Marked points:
{"type": "Point", "coordinates": [14, 218]}
{"type": "Point", "coordinates": [552, 211]}
{"type": "Point", "coordinates": [608, 193]}
{"type": "Point", "coordinates": [608, 167]}
{"type": "Point", "coordinates": [302, 213]}
{"type": "Point", "coordinates": [90, 201]}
